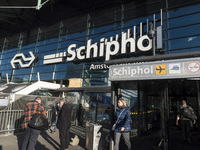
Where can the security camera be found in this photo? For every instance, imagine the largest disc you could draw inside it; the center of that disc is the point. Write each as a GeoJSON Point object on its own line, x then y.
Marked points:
{"type": "Point", "coordinates": [151, 33]}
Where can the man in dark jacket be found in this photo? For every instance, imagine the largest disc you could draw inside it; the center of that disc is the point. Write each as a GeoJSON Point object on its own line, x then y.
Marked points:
{"type": "Point", "coordinates": [64, 123]}
{"type": "Point", "coordinates": [31, 134]}
{"type": "Point", "coordinates": [186, 123]}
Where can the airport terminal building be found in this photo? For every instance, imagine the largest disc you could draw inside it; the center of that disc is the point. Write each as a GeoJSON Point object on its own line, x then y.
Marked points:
{"type": "Point", "coordinates": [145, 51]}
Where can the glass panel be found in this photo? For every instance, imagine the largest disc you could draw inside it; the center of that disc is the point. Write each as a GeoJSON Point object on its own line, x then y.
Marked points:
{"type": "Point", "coordinates": [184, 11]}
{"type": "Point", "coordinates": [9, 54]}
{"type": "Point", "coordinates": [29, 39]}
{"type": "Point", "coordinates": [47, 68]}
{"type": "Point", "coordinates": [47, 47]}
{"type": "Point", "coordinates": [5, 67]}
{"type": "Point", "coordinates": [95, 75]}
{"type": "Point", "coordinates": [77, 117]}
{"type": "Point", "coordinates": [179, 90]}
{"type": "Point", "coordinates": [99, 108]}
{"type": "Point", "coordinates": [68, 66]}
{"type": "Point", "coordinates": [22, 71]}
{"type": "Point", "coordinates": [184, 31]}
{"type": "Point", "coordinates": [43, 76]}
{"type": "Point", "coordinates": [185, 20]}
{"type": "Point", "coordinates": [73, 74]}
{"type": "Point", "coordinates": [59, 75]}
{"type": "Point", "coordinates": [20, 78]}
{"type": "Point", "coordinates": [129, 92]}
{"type": "Point", "coordinates": [147, 114]}
{"type": "Point", "coordinates": [180, 3]}
{"type": "Point", "coordinates": [192, 41]}
{"type": "Point", "coordinates": [67, 43]}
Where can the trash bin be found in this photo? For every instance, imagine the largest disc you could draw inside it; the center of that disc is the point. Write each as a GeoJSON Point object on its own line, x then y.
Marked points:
{"type": "Point", "coordinates": [93, 136]}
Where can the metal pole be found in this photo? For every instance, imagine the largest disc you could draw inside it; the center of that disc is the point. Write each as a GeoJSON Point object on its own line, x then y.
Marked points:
{"type": "Point", "coordinates": [7, 78]}
{"type": "Point", "coordinates": [113, 105]}
{"type": "Point", "coordinates": [166, 116]}
{"type": "Point", "coordinates": [154, 38]}
{"type": "Point", "coordinates": [138, 132]}
{"type": "Point", "coordinates": [198, 101]}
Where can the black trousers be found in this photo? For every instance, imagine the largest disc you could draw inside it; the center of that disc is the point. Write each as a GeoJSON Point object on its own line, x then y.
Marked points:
{"type": "Point", "coordinates": [64, 138]}
{"type": "Point", "coordinates": [30, 139]}
{"type": "Point", "coordinates": [186, 129]}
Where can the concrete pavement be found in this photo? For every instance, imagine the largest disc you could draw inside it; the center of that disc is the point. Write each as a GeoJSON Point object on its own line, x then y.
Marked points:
{"type": "Point", "coordinates": [46, 141]}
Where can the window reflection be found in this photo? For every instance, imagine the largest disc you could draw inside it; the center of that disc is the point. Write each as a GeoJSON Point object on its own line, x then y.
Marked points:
{"type": "Point", "coordinates": [184, 31]}
{"type": "Point", "coordinates": [184, 42]}
{"type": "Point", "coordinates": [98, 108]}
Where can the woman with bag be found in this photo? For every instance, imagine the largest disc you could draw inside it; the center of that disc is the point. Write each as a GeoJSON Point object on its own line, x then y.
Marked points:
{"type": "Point", "coordinates": [122, 124]}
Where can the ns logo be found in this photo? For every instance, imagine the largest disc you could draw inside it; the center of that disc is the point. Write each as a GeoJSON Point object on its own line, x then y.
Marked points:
{"type": "Point", "coordinates": [23, 60]}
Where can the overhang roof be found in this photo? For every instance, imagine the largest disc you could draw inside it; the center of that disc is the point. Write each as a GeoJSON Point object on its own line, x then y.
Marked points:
{"type": "Point", "coordinates": [15, 20]}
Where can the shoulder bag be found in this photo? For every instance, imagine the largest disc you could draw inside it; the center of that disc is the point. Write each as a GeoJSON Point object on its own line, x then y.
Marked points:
{"type": "Point", "coordinates": [39, 121]}
{"type": "Point", "coordinates": [114, 125]}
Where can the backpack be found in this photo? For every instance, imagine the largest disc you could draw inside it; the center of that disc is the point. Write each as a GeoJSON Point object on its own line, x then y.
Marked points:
{"type": "Point", "coordinates": [188, 113]}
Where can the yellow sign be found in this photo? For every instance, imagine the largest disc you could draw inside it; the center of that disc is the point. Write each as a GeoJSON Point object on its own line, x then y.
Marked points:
{"type": "Point", "coordinates": [160, 69]}
{"type": "Point", "coordinates": [76, 82]}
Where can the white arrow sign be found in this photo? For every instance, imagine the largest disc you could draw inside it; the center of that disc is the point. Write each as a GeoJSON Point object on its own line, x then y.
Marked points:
{"type": "Point", "coordinates": [21, 59]}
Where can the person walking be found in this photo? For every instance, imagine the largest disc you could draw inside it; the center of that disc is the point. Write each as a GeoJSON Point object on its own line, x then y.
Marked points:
{"type": "Point", "coordinates": [64, 123]}
{"type": "Point", "coordinates": [31, 134]}
{"type": "Point", "coordinates": [58, 108]}
{"type": "Point", "coordinates": [123, 127]}
{"type": "Point", "coordinates": [186, 121]}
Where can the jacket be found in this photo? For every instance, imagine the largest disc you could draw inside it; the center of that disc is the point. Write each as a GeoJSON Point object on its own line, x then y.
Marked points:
{"type": "Point", "coordinates": [30, 109]}
{"type": "Point", "coordinates": [64, 117]}
{"type": "Point", "coordinates": [124, 120]}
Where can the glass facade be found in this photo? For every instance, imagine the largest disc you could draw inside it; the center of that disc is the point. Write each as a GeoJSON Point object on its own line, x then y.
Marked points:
{"type": "Point", "coordinates": [180, 33]}
{"type": "Point", "coordinates": [154, 111]}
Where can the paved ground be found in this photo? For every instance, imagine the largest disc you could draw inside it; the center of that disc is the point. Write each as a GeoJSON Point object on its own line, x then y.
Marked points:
{"type": "Point", "coordinates": [46, 141]}
{"type": "Point", "coordinates": [150, 141]}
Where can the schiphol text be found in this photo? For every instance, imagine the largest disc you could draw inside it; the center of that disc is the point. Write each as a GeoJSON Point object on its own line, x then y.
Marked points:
{"type": "Point", "coordinates": [109, 48]}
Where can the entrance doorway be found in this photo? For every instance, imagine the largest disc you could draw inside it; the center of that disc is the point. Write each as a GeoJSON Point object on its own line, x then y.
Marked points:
{"type": "Point", "coordinates": [154, 105]}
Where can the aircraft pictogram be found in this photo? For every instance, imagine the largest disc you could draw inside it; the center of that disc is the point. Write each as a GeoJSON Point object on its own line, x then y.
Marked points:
{"type": "Point", "coordinates": [160, 69]}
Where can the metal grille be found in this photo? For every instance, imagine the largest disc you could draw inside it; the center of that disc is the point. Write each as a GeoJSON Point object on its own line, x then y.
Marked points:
{"type": "Point", "coordinates": [11, 120]}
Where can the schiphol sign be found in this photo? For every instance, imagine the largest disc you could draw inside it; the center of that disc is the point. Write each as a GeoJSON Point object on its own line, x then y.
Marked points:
{"type": "Point", "coordinates": [180, 68]}
{"type": "Point", "coordinates": [105, 48]}
{"type": "Point", "coordinates": [130, 42]}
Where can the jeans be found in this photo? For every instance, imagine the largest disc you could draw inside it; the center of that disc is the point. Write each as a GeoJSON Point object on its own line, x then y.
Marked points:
{"type": "Point", "coordinates": [30, 139]}
{"type": "Point", "coordinates": [126, 136]}
{"type": "Point", "coordinates": [64, 138]}
{"type": "Point", "coordinates": [55, 123]}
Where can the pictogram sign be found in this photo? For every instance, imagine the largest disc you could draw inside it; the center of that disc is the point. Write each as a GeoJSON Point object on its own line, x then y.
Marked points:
{"type": "Point", "coordinates": [160, 69]}
{"type": "Point", "coordinates": [193, 67]}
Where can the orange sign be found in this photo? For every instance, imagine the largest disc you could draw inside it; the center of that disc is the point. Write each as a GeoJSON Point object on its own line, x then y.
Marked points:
{"type": "Point", "coordinates": [160, 69]}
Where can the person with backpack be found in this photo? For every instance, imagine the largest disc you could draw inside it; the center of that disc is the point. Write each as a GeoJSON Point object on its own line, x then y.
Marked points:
{"type": "Point", "coordinates": [187, 118]}
{"type": "Point", "coordinates": [31, 134]}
